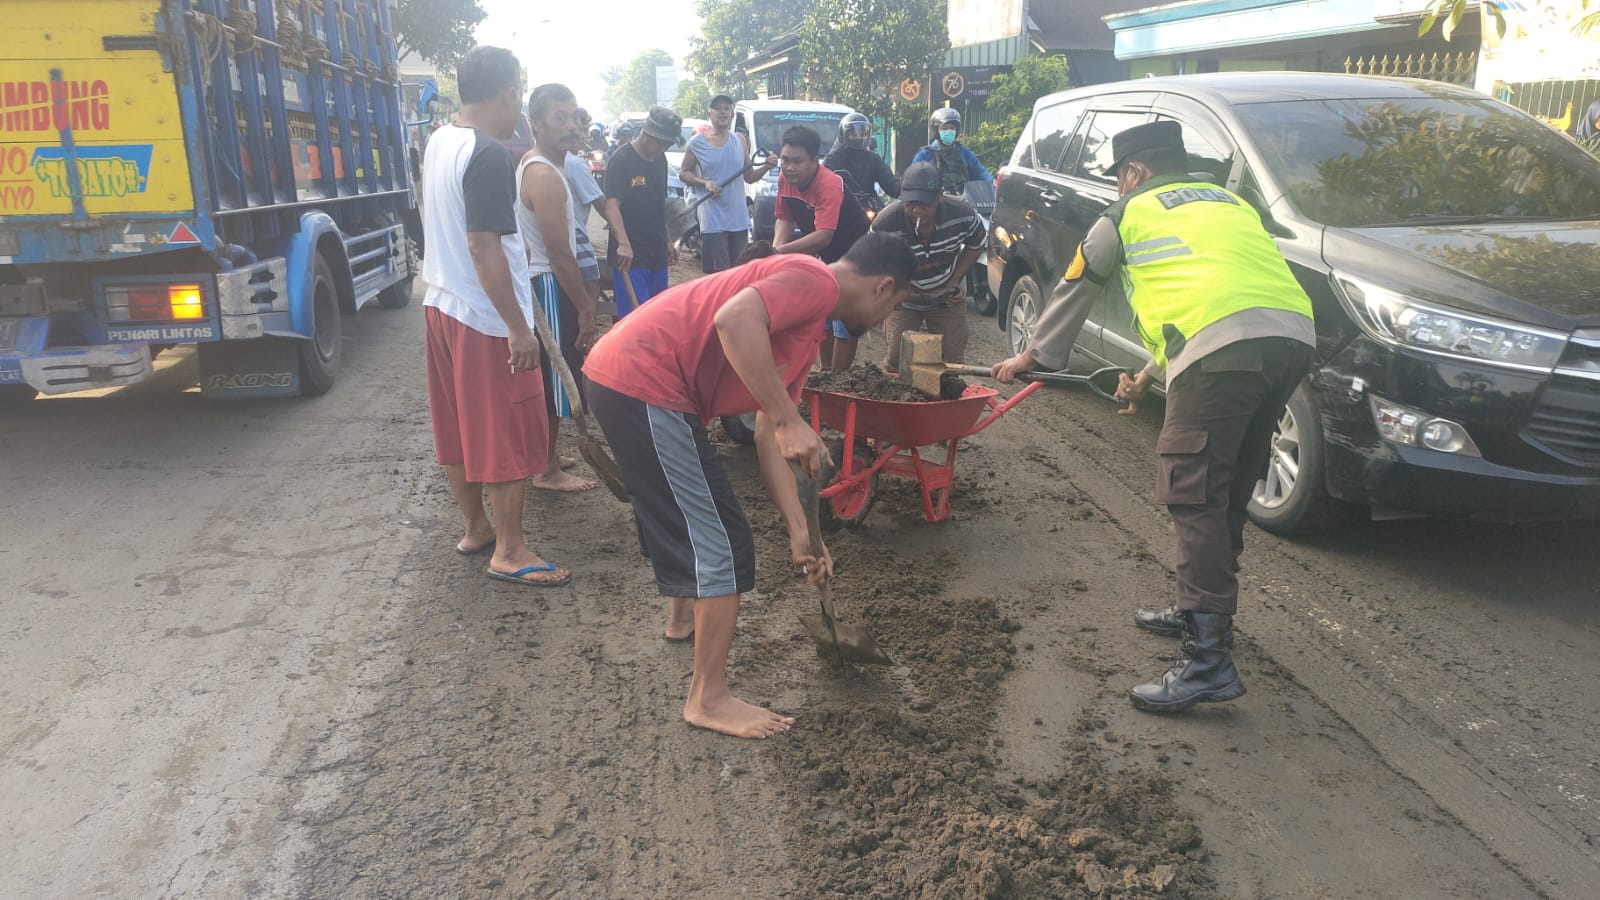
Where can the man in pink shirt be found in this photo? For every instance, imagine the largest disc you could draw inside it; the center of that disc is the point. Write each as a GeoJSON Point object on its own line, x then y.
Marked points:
{"type": "Point", "coordinates": [736, 342]}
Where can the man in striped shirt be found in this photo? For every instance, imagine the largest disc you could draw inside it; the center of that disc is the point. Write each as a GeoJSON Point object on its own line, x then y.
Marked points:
{"type": "Point", "coordinates": [946, 235]}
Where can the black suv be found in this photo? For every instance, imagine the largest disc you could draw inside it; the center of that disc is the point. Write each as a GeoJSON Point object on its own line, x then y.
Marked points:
{"type": "Point", "coordinates": [1449, 245]}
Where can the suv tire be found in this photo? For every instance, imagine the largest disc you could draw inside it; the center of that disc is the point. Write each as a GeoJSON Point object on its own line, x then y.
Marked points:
{"type": "Point", "coordinates": [1023, 308]}
{"type": "Point", "coordinates": [1293, 498]}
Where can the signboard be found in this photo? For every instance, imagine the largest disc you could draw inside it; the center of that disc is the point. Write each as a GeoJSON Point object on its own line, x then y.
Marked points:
{"type": "Point", "coordinates": [967, 82]}
{"type": "Point", "coordinates": [666, 85]}
{"type": "Point", "coordinates": [121, 110]}
{"type": "Point", "coordinates": [977, 21]}
{"type": "Point", "coordinates": [910, 90]}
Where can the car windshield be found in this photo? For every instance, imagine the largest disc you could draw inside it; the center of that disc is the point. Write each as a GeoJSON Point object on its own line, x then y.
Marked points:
{"type": "Point", "coordinates": [1353, 162]}
{"type": "Point", "coordinates": [770, 126]}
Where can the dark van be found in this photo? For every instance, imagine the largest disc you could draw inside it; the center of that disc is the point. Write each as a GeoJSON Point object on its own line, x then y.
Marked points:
{"type": "Point", "coordinates": [1451, 248]}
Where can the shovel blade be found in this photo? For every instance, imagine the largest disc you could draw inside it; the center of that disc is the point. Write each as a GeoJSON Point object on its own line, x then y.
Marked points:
{"type": "Point", "coordinates": [856, 645]}
{"type": "Point", "coordinates": [604, 466]}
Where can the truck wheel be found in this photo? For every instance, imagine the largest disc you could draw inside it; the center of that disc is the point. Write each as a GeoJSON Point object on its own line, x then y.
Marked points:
{"type": "Point", "coordinates": [319, 357]}
{"type": "Point", "coordinates": [397, 295]}
{"type": "Point", "coordinates": [1293, 498]}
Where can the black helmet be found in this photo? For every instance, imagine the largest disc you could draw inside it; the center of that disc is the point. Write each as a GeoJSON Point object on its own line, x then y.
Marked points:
{"type": "Point", "coordinates": [855, 130]}
{"type": "Point", "coordinates": [624, 132]}
{"type": "Point", "coordinates": [943, 119]}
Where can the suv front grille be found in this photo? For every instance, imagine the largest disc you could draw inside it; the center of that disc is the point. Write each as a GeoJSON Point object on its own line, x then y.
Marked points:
{"type": "Point", "coordinates": [1567, 420]}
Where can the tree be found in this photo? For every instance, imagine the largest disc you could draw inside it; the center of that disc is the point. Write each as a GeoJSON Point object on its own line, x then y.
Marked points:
{"type": "Point", "coordinates": [855, 51]}
{"type": "Point", "coordinates": [1451, 11]}
{"type": "Point", "coordinates": [633, 87]}
{"type": "Point", "coordinates": [731, 31]}
{"type": "Point", "coordinates": [693, 99]}
{"type": "Point", "coordinates": [1007, 110]}
{"type": "Point", "coordinates": [440, 31]}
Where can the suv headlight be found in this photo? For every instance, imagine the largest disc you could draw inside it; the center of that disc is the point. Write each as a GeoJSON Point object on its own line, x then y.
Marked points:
{"type": "Point", "coordinates": [1404, 321]}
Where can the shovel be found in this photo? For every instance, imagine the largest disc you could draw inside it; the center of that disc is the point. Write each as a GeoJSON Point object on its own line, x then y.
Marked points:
{"type": "Point", "coordinates": [849, 643]}
{"type": "Point", "coordinates": [588, 447]}
{"type": "Point", "coordinates": [922, 363]}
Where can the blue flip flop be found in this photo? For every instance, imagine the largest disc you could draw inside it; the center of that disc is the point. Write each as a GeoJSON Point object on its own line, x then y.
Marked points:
{"type": "Point", "coordinates": [516, 577]}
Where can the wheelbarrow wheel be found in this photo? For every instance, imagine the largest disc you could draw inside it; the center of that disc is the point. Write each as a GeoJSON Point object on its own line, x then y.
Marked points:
{"type": "Point", "coordinates": [849, 507]}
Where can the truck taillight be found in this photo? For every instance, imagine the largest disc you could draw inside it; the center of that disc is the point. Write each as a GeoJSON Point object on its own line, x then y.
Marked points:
{"type": "Point", "coordinates": [154, 302]}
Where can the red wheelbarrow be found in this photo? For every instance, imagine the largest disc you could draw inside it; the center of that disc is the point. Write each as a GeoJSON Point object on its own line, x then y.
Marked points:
{"type": "Point", "coordinates": [885, 437]}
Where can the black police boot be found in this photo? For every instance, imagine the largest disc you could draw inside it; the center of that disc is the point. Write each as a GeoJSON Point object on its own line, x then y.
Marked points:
{"type": "Point", "coordinates": [1205, 672]}
{"type": "Point", "coordinates": [1162, 621]}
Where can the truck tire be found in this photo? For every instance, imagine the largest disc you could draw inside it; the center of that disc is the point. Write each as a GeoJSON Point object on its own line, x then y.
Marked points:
{"type": "Point", "coordinates": [319, 357]}
{"type": "Point", "coordinates": [397, 295]}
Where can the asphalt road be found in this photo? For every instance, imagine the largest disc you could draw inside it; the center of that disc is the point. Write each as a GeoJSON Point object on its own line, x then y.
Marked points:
{"type": "Point", "coordinates": [237, 659]}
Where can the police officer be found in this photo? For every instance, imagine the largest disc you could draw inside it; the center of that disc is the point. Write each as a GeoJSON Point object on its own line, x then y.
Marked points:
{"type": "Point", "coordinates": [1218, 308]}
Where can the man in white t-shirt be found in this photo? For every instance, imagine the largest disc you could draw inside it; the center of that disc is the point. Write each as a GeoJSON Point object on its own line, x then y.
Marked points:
{"type": "Point", "coordinates": [485, 391]}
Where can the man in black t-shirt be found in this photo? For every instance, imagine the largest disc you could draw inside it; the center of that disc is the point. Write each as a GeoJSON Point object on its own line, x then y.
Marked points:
{"type": "Point", "coordinates": [636, 204]}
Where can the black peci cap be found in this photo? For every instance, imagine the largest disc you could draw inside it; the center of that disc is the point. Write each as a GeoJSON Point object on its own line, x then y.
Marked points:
{"type": "Point", "coordinates": [1163, 135]}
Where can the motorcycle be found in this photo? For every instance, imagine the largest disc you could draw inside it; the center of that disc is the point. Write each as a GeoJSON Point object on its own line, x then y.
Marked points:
{"type": "Point", "coordinates": [980, 194]}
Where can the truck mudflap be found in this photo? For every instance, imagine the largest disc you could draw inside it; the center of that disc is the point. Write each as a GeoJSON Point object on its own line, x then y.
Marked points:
{"type": "Point", "coordinates": [268, 367]}
{"type": "Point", "coordinates": [24, 359]}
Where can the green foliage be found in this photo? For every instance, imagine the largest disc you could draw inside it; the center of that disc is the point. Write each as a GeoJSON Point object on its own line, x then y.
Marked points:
{"type": "Point", "coordinates": [1562, 275]}
{"type": "Point", "coordinates": [1423, 162]}
{"type": "Point", "coordinates": [1009, 107]}
{"type": "Point", "coordinates": [732, 30]}
{"type": "Point", "coordinates": [856, 51]}
{"type": "Point", "coordinates": [1452, 11]}
{"type": "Point", "coordinates": [693, 98]}
{"type": "Point", "coordinates": [440, 31]}
{"type": "Point", "coordinates": [633, 86]}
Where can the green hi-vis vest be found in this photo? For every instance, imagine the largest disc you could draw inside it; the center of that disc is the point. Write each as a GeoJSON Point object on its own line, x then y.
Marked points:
{"type": "Point", "coordinates": [1194, 254]}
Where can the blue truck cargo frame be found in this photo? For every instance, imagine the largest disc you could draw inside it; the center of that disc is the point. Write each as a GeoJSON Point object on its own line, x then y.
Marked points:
{"type": "Point", "coordinates": [261, 239]}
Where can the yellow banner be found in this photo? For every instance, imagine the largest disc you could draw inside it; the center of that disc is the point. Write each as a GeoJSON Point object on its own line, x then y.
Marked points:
{"type": "Point", "coordinates": [120, 107]}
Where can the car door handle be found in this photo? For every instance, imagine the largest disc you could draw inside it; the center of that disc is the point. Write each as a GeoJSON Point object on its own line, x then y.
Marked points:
{"type": "Point", "coordinates": [1049, 196]}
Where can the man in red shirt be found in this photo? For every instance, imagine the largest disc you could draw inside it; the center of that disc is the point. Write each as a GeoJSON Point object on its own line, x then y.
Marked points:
{"type": "Point", "coordinates": [736, 342]}
{"type": "Point", "coordinates": [812, 200]}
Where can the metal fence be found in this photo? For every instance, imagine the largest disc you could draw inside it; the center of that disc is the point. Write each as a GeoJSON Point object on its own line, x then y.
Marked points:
{"type": "Point", "coordinates": [1562, 104]}
{"type": "Point", "coordinates": [1452, 68]}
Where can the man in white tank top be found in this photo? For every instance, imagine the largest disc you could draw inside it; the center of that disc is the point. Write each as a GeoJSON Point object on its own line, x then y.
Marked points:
{"type": "Point", "coordinates": [546, 215]}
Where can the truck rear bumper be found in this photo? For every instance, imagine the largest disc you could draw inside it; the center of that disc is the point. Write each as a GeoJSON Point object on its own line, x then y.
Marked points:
{"type": "Point", "coordinates": [62, 370]}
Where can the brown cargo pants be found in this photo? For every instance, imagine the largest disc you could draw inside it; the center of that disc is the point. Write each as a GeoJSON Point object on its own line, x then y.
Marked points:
{"type": "Point", "coordinates": [1214, 446]}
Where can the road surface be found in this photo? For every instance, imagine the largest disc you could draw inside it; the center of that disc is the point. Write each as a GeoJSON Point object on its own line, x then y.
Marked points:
{"type": "Point", "coordinates": [238, 657]}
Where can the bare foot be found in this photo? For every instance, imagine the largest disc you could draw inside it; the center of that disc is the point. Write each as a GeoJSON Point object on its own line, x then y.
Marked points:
{"type": "Point", "coordinates": [473, 542]}
{"type": "Point", "coordinates": [736, 717]}
{"type": "Point", "coordinates": [680, 619]}
{"type": "Point", "coordinates": [561, 481]}
{"type": "Point", "coordinates": [567, 462]}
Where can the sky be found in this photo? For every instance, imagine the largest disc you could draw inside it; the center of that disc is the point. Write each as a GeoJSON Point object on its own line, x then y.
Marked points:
{"type": "Point", "coordinates": [573, 41]}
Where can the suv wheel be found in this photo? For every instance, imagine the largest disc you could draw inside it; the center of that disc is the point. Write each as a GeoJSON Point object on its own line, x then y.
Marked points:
{"type": "Point", "coordinates": [1293, 497]}
{"type": "Point", "coordinates": [1025, 305]}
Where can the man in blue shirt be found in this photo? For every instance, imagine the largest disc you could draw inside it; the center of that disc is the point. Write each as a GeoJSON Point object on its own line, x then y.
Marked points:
{"type": "Point", "coordinates": [957, 164]}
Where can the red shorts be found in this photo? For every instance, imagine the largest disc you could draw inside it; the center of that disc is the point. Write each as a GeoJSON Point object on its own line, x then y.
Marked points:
{"type": "Point", "coordinates": [485, 417]}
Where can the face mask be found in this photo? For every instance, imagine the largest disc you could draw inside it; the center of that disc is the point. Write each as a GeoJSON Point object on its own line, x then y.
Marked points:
{"type": "Point", "coordinates": [947, 137]}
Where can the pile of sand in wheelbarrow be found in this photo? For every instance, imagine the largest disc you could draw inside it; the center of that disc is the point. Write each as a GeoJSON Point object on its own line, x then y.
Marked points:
{"type": "Point", "coordinates": [875, 384]}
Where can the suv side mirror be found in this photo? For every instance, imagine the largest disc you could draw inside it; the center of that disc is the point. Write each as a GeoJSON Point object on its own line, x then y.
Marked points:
{"type": "Point", "coordinates": [1207, 177]}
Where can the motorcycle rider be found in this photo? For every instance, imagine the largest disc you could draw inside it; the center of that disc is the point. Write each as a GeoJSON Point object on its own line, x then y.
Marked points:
{"type": "Point", "coordinates": [597, 138]}
{"type": "Point", "coordinates": [956, 162]}
{"type": "Point", "coordinates": [863, 170]}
